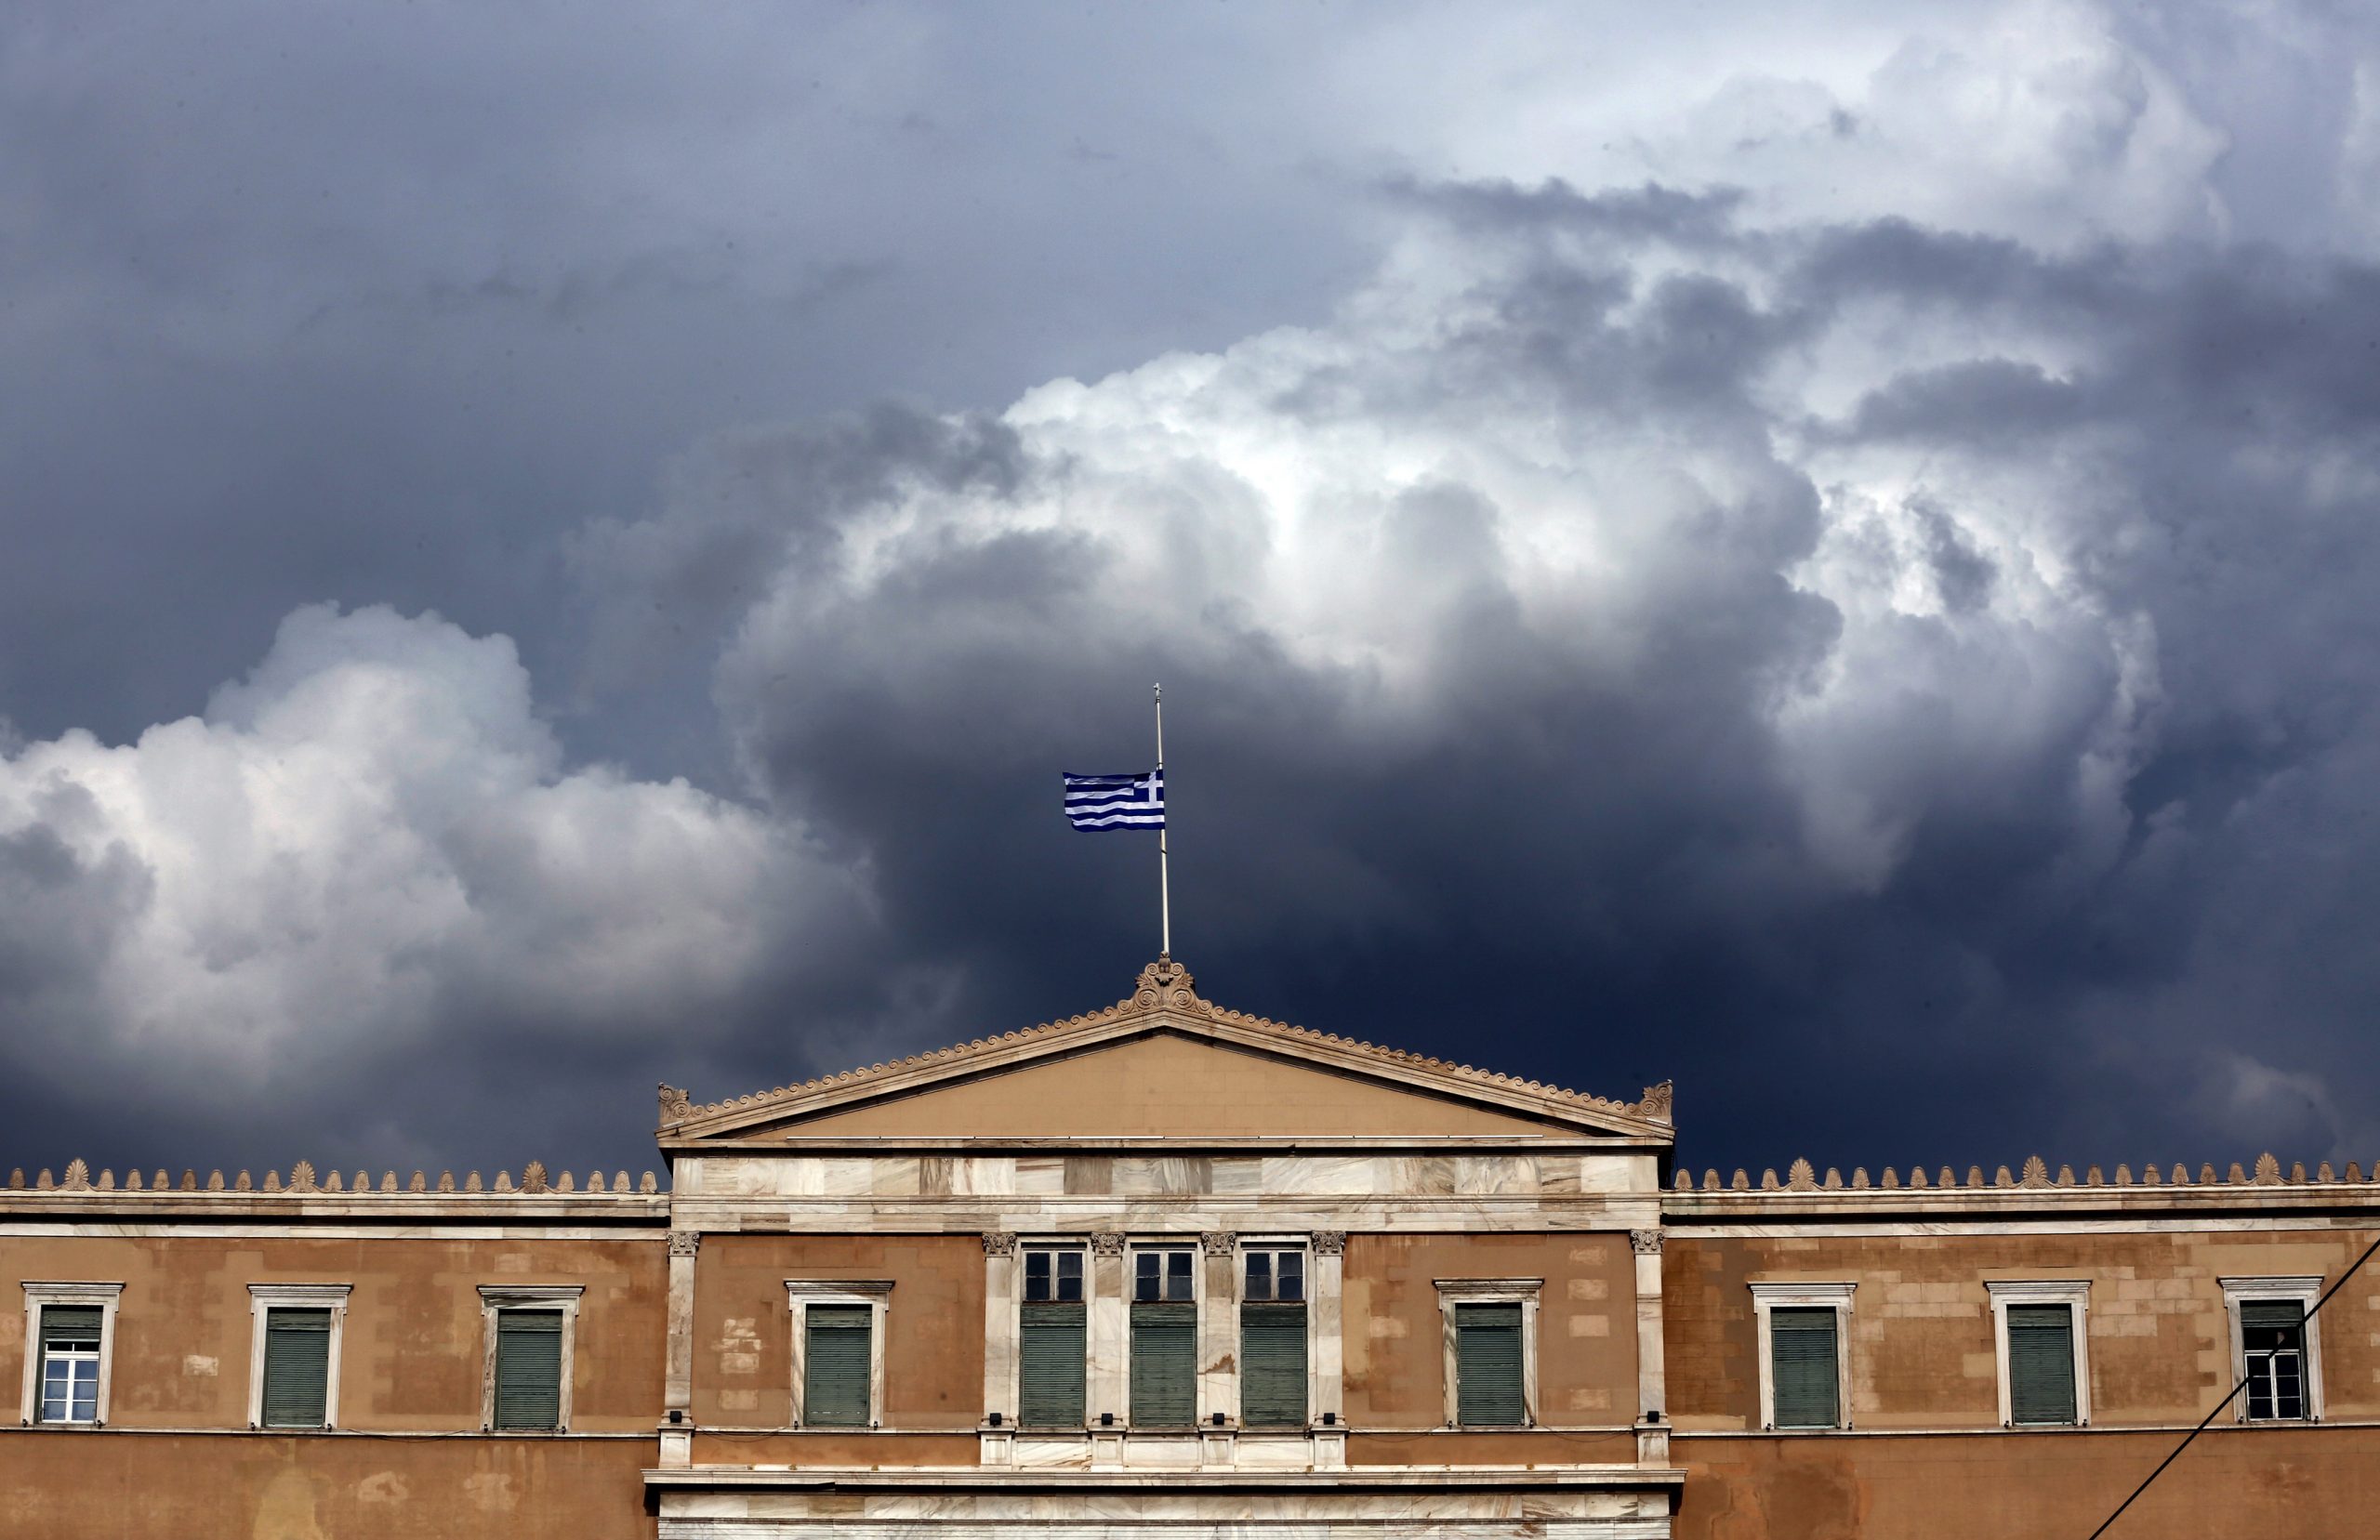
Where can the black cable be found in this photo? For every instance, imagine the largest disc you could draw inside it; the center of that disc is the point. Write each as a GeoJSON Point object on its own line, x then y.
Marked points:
{"type": "Point", "coordinates": [2229, 1399]}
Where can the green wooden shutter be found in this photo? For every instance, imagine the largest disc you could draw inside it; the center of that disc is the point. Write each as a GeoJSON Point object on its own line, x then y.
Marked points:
{"type": "Point", "coordinates": [834, 1353]}
{"type": "Point", "coordinates": [1051, 1370]}
{"type": "Point", "coordinates": [69, 1326]}
{"type": "Point", "coordinates": [1487, 1366]}
{"type": "Point", "coordinates": [297, 1367]}
{"type": "Point", "coordinates": [1271, 1364]}
{"type": "Point", "coordinates": [528, 1369]}
{"type": "Point", "coordinates": [1802, 1366]}
{"type": "Point", "coordinates": [1165, 1365]}
{"type": "Point", "coordinates": [2041, 1363]}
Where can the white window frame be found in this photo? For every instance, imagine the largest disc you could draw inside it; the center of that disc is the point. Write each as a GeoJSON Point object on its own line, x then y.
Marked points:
{"type": "Point", "coordinates": [1768, 1296]}
{"type": "Point", "coordinates": [1524, 1291]}
{"type": "Point", "coordinates": [2306, 1290]}
{"type": "Point", "coordinates": [1189, 1243]}
{"type": "Point", "coordinates": [263, 1299]}
{"type": "Point", "coordinates": [874, 1293]}
{"type": "Point", "coordinates": [494, 1298]}
{"type": "Point", "coordinates": [2075, 1294]}
{"type": "Point", "coordinates": [105, 1295]}
{"type": "Point", "coordinates": [1303, 1243]}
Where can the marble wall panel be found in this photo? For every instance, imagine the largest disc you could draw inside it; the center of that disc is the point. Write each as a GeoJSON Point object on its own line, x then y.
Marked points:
{"type": "Point", "coordinates": [1481, 1175]}
{"type": "Point", "coordinates": [983, 1176]}
{"type": "Point", "coordinates": [1162, 1175]}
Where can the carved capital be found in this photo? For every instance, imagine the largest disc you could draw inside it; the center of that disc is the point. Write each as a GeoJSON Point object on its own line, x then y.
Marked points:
{"type": "Point", "coordinates": [685, 1243]}
{"type": "Point", "coordinates": [1217, 1243]}
{"type": "Point", "coordinates": [1645, 1242]}
{"type": "Point", "coordinates": [1329, 1242]}
{"type": "Point", "coordinates": [1107, 1243]}
{"type": "Point", "coordinates": [1000, 1243]}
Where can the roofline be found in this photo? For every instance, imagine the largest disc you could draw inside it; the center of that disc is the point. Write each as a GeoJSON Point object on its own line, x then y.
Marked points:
{"type": "Point", "coordinates": [793, 1141]}
{"type": "Point", "coordinates": [1167, 1000]}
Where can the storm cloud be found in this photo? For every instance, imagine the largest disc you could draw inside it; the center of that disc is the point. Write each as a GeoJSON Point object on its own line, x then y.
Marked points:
{"type": "Point", "coordinates": [1849, 585]}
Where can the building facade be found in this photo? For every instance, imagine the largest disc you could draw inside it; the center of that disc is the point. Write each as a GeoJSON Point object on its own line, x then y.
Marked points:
{"type": "Point", "coordinates": [1166, 1272]}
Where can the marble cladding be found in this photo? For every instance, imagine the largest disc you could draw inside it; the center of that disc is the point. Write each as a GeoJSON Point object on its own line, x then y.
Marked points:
{"type": "Point", "coordinates": [1122, 1503]}
{"type": "Point", "coordinates": [1529, 1175]}
{"type": "Point", "coordinates": [719, 1519]}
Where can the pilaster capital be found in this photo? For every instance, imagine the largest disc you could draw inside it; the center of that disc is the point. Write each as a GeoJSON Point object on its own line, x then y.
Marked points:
{"type": "Point", "coordinates": [1000, 1243]}
{"type": "Point", "coordinates": [1217, 1243]}
{"type": "Point", "coordinates": [1107, 1243]}
{"type": "Point", "coordinates": [685, 1243]}
{"type": "Point", "coordinates": [1329, 1242]}
{"type": "Point", "coordinates": [1645, 1242]}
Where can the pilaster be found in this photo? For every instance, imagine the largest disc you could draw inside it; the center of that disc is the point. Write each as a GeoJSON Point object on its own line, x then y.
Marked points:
{"type": "Point", "coordinates": [678, 1372]}
{"type": "Point", "coordinates": [1652, 1374]}
{"type": "Point", "coordinates": [1219, 1333]}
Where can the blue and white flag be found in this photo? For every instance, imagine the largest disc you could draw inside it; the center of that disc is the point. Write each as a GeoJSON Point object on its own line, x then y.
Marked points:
{"type": "Point", "coordinates": [1117, 801]}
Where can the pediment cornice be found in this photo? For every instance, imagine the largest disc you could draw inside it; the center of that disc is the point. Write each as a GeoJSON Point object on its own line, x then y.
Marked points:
{"type": "Point", "coordinates": [1165, 998]}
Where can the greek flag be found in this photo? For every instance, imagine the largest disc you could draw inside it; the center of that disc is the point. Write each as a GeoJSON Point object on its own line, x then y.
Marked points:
{"type": "Point", "coordinates": [1117, 801]}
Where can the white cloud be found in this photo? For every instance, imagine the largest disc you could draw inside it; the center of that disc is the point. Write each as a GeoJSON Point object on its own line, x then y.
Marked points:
{"type": "Point", "coordinates": [2034, 119]}
{"type": "Point", "coordinates": [369, 841]}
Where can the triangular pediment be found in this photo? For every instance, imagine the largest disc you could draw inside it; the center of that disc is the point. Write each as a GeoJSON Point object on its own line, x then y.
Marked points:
{"type": "Point", "coordinates": [1166, 1064]}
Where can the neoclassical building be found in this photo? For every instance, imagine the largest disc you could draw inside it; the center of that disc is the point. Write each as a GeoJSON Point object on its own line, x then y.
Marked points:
{"type": "Point", "coordinates": [1166, 1272]}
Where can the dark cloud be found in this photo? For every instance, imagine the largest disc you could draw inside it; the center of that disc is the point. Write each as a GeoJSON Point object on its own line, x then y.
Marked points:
{"type": "Point", "coordinates": [1853, 592]}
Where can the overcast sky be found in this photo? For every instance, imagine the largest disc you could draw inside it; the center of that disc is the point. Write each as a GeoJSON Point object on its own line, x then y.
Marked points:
{"type": "Point", "coordinates": [1829, 552]}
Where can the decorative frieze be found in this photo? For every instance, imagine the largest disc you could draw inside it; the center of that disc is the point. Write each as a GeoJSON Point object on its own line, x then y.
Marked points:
{"type": "Point", "coordinates": [2032, 1175]}
{"type": "Point", "coordinates": [303, 1181]}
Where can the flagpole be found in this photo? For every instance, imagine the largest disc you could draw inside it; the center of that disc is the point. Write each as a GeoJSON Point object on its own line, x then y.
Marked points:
{"type": "Point", "coordinates": [1164, 881]}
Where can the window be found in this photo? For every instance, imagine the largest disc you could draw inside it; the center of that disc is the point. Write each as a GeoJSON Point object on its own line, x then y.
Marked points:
{"type": "Point", "coordinates": [1051, 1344]}
{"type": "Point", "coordinates": [2275, 1349]}
{"type": "Point", "coordinates": [1491, 1336]}
{"type": "Point", "coordinates": [69, 1362]}
{"type": "Point", "coordinates": [292, 1360]}
{"type": "Point", "coordinates": [838, 1352]}
{"type": "Point", "coordinates": [529, 1332]}
{"type": "Point", "coordinates": [1273, 1339]}
{"type": "Point", "coordinates": [1801, 1350]}
{"type": "Point", "coordinates": [1164, 1338]}
{"type": "Point", "coordinates": [2272, 1333]}
{"type": "Point", "coordinates": [1487, 1365]}
{"type": "Point", "coordinates": [2044, 1377]}
{"type": "Point", "coordinates": [69, 1338]}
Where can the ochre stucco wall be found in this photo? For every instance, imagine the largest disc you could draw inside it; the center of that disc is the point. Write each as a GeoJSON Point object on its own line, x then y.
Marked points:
{"type": "Point", "coordinates": [1921, 1348]}
{"type": "Point", "coordinates": [933, 1364]}
{"type": "Point", "coordinates": [2292, 1483]}
{"type": "Point", "coordinates": [413, 1353]}
{"type": "Point", "coordinates": [1393, 1329]}
{"type": "Point", "coordinates": [108, 1485]}
{"type": "Point", "coordinates": [1168, 1085]}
